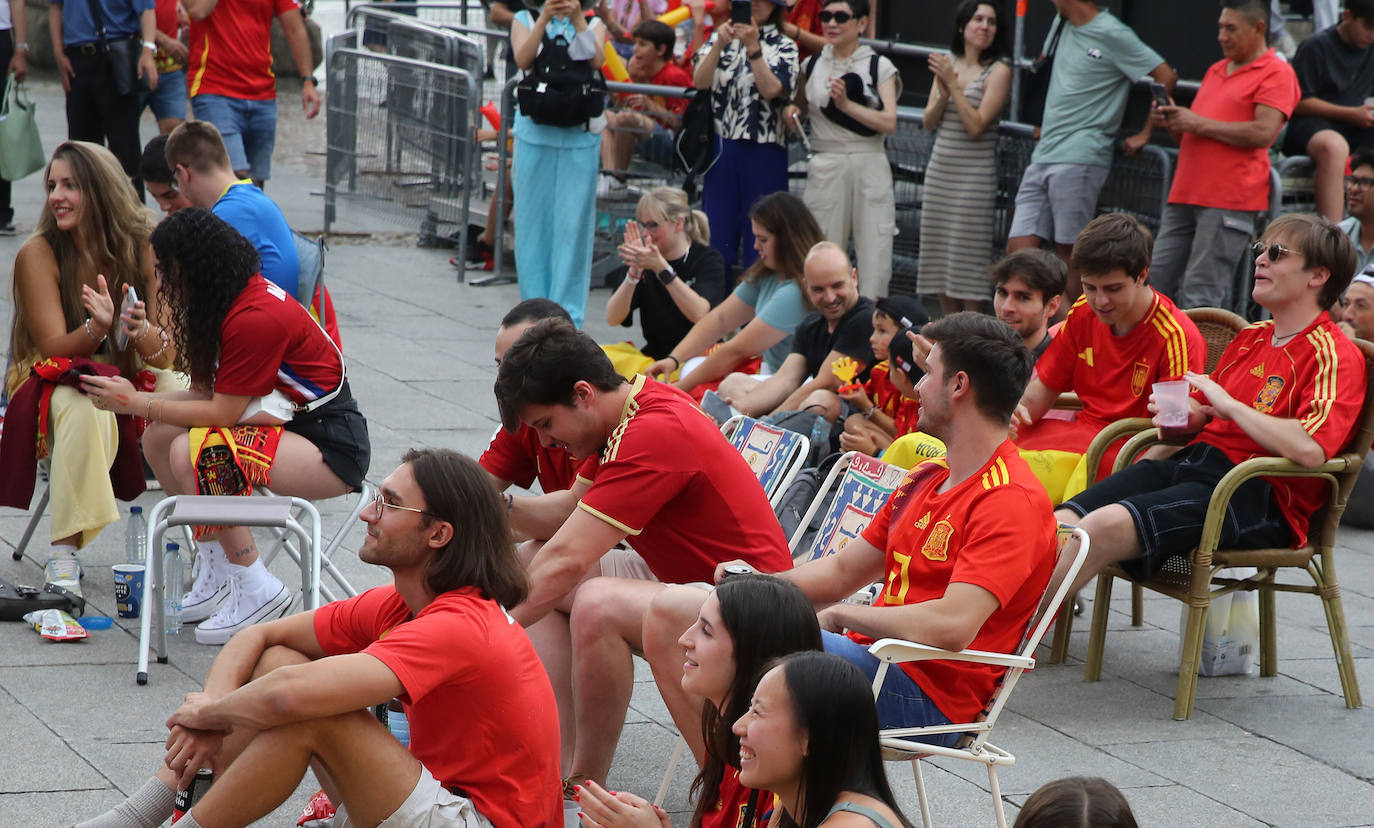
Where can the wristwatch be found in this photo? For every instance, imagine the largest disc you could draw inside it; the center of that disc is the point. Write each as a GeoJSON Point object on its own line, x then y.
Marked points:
{"type": "Point", "coordinates": [22, 46]}
{"type": "Point", "coordinates": [310, 78]}
{"type": "Point", "coordinates": [667, 275]}
{"type": "Point", "coordinates": [150, 45]}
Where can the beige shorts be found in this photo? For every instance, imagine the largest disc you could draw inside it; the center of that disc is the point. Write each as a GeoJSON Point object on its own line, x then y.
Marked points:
{"type": "Point", "coordinates": [622, 562]}
{"type": "Point", "coordinates": [430, 805]}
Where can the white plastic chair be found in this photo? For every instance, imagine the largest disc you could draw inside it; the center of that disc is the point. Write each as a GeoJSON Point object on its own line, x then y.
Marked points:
{"type": "Point", "coordinates": [282, 540]}
{"type": "Point", "coordinates": [775, 454]}
{"type": "Point", "coordinates": [899, 744]}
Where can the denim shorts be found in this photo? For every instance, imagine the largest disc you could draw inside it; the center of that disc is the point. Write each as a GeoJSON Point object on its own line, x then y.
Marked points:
{"type": "Point", "coordinates": [658, 147]}
{"type": "Point", "coordinates": [169, 99]}
{"type": "Point", "coordinates": [901, 703]}
{"type": "Point", "coordinates": [249, 129]}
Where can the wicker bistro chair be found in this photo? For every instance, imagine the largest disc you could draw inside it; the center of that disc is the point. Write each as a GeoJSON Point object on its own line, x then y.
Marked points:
{"type": "Point", "coordinates": [1218, 327]}
{"type": "Point", "coordinates": [1193, 580]}
{"type": "Point", "coordinates": [898, 744]}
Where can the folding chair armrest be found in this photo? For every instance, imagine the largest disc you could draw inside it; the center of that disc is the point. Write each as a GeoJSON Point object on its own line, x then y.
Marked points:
{"type": "Point", "coordinates": [896, 651]}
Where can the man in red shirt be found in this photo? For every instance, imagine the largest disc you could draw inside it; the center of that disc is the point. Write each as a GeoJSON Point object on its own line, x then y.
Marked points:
{"type": "Point", "coordinates": [660, 476]}
{"type": "Point", "coordinates": [1118, 340]}
{"type": "Point", "coordinates": [231, 80]}
{"type": "Point", "coordinates": [965, 546]}
{"type": "Point", "coordinates": [646, 123]}
{"type": "Point", "coordinates": [519, 458]}
{"type": "Point", "coordinates": [1291, 386]}
{"type": "Point", "coordinates": [1222, 180]}
{"type": "Point", "coordinates": [294, 692]}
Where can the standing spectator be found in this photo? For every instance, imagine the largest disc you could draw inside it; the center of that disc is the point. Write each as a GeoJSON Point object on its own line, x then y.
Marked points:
{"type": "Point", "coordinates": [1359, 199]}
{"type": "Point", "coordinates": [554, 167]}
{"type": "Point", "coordinates": [168, 101]}
{"type": "Point", "coordinates": [1222, 178]}
{"type": "Point", "coordinates": [749, 70]}
{"type": "Point", "coordinates": [961, 178]}
{"type": "Point", "coordinates": [97, 110]}
{"type": "Point", "coordinates": [15, 55]}
{"type": "Point", "coordinates": [1335, 69]}
{"type": "Point", "coordinates": [645, 123]}
{"type": "Point", "coordinates": [1097, 59]}
{"type": "Point", "coordinates": [848, 182]}
{"type": "Point", "coordinates": [766, 306]}
{"type": "Point", "coordinates": [232, 85]}
{"type": "Point", "coordinates": [621, 17]}
{"type": "Point", "coordinates": [804, 25]}
{"type": "Point", "coordinates": [1030, 287]}
{"type": "Point", "coordinates": [672, 275]}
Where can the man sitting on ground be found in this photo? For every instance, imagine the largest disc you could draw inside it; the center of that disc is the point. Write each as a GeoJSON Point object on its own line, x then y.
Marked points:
{"type": "Point", "coordinates": [645, 123]}
{"type": "Point", "coordinates": [1292, 386]}
{"type": "Point", "coordinates": [158, 178]}
{"type": "Point", "coordinates": [839, 328]}
{"type": "Point", "coordinates": [292, 694]}
{"type": "Point", "coordinates": [964, 546]}
{"type": "Point", "coordinates": [659, 476]}
{"type": "Point", "coordinates": [1029, 288]}
{"type": "Point", "coordinates": [1118, 340]}
{"type": "Point", "coordinates": [520, 458]}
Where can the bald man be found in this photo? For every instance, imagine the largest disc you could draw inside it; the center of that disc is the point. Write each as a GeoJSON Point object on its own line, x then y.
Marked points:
{"type": "Point", "coordinates": [840, 327]}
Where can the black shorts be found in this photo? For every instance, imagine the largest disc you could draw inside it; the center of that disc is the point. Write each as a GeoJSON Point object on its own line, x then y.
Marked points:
{"type": "Point", "coordinates": [1168, 501]}
{"type": "Point", "coordinates": [339, 431]}
{"type": "Point", "coordinates": [1301, 130]}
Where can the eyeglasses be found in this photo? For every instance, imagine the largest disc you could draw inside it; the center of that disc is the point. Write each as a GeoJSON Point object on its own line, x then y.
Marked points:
{"type": "Point", "coordinates": [1358, 182]}
{"type": "Point", "coordinates": [1275, 250]}
{"type": "Point", "coordinates": [378, 503]}
{"type": "Point", "coordinates": [838, 16]}
{"type": "Point", "coordinates": [650, 226]}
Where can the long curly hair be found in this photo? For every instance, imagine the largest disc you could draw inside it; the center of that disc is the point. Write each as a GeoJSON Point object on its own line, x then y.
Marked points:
{"type": "Point", "coordinates": [111, 236]}
{"type": "Point", "coordinates": [204, 264]}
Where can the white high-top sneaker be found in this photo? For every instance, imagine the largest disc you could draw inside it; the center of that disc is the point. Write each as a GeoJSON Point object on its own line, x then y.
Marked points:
{"type": "Point", "coordinates": [210, 588]}
{"type": "Point", "coordinates": [255, 595]}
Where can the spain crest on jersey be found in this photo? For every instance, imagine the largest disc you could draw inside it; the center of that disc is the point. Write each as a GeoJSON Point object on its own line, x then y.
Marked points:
{"type": "Point", "coordinates": [1139, 374]}
{"type": "Point", "coordinates": [936, 547]}
{"type": "Point", "coordinates": [1269, 394]}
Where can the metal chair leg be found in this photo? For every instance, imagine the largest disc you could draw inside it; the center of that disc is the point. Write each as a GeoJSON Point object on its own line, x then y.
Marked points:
{"type": "Point", "coordinates": [32, 525]}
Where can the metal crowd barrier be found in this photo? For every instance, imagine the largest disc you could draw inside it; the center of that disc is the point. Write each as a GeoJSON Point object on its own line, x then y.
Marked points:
{"type": "Point", "coordinates": [400, 141]}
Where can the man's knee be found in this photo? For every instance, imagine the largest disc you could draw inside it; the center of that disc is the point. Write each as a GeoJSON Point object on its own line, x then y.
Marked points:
{"type": "Point", "coordinates": [611, 607]}
{"type": "Point", "coordinates": [277, 656]}
{"type": "Point", "coordinates": [527, 550]}
{"type": "Point", "coordinates": [1328, 145]}
{"type": "Point", "coordinates": [824, 402]}
{"type": "Point", "coordinates": [670, 613]}
{"type": "Point", "coordinates": [737, 385]}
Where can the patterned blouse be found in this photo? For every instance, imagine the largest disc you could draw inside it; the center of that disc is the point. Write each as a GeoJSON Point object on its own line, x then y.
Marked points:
{"type": "Point", "coordinates": [742, 114]}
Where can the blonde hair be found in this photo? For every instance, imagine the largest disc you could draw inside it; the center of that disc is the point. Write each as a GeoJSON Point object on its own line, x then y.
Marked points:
{"type": "Point", "coordinates": [113, 231]}
{"type": "Point", "coordinates": [667, 204]}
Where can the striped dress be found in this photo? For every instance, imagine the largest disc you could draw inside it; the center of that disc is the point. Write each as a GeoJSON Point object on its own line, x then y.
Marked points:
{"type": "Point", "coordinates": [957, 212]}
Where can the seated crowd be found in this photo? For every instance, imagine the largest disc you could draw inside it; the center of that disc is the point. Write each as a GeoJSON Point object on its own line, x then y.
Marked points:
{"type": "Point", "coordinates": [651, 534]}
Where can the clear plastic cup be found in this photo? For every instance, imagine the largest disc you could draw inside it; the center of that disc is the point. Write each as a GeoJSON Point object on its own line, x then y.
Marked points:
{"type": "Point", "coordinates": [1171, 400]}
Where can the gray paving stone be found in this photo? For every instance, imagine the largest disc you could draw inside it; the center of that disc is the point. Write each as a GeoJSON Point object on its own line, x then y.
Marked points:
{"type": "Point", "coordinates": [37, 759]}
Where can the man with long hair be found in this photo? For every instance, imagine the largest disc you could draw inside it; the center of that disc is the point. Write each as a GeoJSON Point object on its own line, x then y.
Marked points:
{"type": "Point", "coordinates": [293, 693]}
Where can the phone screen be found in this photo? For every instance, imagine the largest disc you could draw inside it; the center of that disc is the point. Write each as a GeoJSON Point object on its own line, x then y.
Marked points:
{"type": "Point", "coordinates": [741, 12]}
{"type": "Point", "coordinates": [1160, 94]}
{"type": "Point", "coordinates": [130, 299]}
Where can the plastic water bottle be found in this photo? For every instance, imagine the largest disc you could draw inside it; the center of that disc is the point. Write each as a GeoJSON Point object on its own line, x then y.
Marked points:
{"type": "Point", "coordinates": [175, 579]}
{"type": "Point", "coordinates": [397, 723]}
{"type": "Point", "coordinates": [136, 536]}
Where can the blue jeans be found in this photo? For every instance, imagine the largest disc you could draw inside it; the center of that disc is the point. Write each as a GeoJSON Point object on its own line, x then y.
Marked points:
{"type": "Point", "coordinates": [249, 129]}
{"type": "Point", "coordinates": [169, 99]}
{"type": "Point", "coordinates": [901, 702]}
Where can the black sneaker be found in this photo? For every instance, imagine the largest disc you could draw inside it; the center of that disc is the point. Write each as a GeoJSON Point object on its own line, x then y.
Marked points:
{"type": "Point", "coordinates": [7, 229]}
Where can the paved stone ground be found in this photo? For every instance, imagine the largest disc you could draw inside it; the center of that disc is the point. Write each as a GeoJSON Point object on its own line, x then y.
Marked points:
{"type": "Point", "coordinates": [1279, 751]}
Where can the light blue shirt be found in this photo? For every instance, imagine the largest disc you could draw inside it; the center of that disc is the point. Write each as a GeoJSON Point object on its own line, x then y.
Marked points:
{"type": "Point", "coordinates": [121, 19]}
{"type": "Point", "coordinates": [779, 303]}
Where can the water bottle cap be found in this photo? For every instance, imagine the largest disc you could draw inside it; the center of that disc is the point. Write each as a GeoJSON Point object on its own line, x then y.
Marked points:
{"type": "Point", "coordinates": [172, 546]}
{"type": "Point", "coordinates": [135, 510]}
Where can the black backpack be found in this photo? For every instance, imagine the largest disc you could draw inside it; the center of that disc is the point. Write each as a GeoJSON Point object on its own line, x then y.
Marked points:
{"type": "Point", "coordinates": [795, 501]}
{"type": "Point", "coordinates": [696, 141]}
{"type": "Point", "coordinates": [560, 91]}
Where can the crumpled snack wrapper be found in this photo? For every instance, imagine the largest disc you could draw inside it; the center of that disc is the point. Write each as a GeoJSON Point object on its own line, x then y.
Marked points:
{"type": "Point", "coordinates": [56, 625]}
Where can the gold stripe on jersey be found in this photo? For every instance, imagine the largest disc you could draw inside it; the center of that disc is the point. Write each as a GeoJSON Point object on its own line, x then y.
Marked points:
{"type": "Point", "coordinates": [996, 476]}
{"type": "Point", "coordinates": [1324, 383]}
{"type": "Point", "coordinates": [631, 408]}
{"type": "Point", "coordinates": [612, 521]}
{"type": "Point", "coordinates": [1175, 341]}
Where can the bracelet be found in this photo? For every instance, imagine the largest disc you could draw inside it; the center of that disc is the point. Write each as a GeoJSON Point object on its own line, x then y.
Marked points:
{"type": "Point", "coordinates": [87, 327]}
{"type": "Point", "coordinates": [147, 326]}
{"type": "Point", "coordinates": [868, 415]}
{"type": "Point", "coordinates": [149, 415]}
{"type": "Point", "coordinates": [754, 55]}
{"type": "Point", "coordinates": [677, 363]}
{"type": "Point", "coordinates": [150, 45]}
{"type": "Point", "coordinates": [166, 340]}
{"type": "Point", "coordinates": [510, 502]}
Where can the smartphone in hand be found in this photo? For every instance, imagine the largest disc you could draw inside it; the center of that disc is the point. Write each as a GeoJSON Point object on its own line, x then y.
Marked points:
{"type": "Point", "coordinates": [1160, 94]}
{"type": "Point", "coordinates": [121, 338]}
{"type": "Point", "coordinates": [741, 12]}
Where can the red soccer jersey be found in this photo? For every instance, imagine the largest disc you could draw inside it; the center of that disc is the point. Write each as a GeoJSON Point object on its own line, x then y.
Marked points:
{"type": "Point", "coordinates": [732, 801]}
{"type": "Point", "coordinates": [995, 530]}
{"type": "Point", "coordinates": [231, 50]}
{"type": "Point", "coordinates": [481, 709]}
{"type": "Point", "coordinates": [903, 410]}
{"type": "Point", "coordinates": [670, 75]}
{"type": "Point", "coordinates": [1317, 378]}
{"type": "Point", "coordinates": [1111, 374]}
{"type": "Point", "coordinates": [685, 496]}
{"type": "Point", "coordinates": [269, 342]}
{"type": "Point", "coordinates": [521, 459]}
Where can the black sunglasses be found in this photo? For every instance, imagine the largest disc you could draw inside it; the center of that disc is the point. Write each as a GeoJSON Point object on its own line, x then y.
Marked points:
{"type": "Point", "coordinates": [837, 16]}
{"type": "Point", "coordinates": [1275, 250]}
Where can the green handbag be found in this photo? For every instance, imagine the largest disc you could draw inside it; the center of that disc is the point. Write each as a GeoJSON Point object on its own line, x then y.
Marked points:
{"type": "Point", "coordinates": [21, 150]}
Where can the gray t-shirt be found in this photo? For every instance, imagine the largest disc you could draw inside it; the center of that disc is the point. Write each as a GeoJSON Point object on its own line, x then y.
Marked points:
{"type": "Point", "coordinates": [1351, 226]}
{"type": "Point", "coordinates": [1094, 67]}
